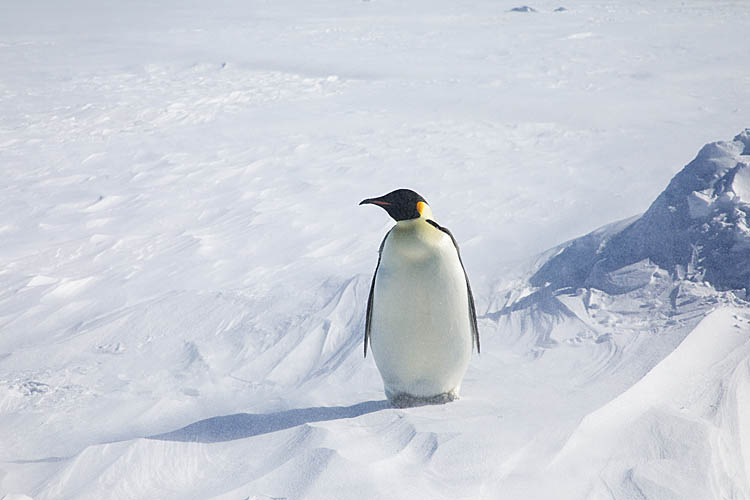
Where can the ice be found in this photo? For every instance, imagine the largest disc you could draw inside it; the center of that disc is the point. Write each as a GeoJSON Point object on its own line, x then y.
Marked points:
{"type": "Point", "coordinates": [694, 225]}
{"type": "Point", "coordinates": [741, 183]}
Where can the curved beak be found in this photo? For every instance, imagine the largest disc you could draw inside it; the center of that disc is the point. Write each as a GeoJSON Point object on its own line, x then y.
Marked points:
{"type": "Point", "coordinates": [375, 201]}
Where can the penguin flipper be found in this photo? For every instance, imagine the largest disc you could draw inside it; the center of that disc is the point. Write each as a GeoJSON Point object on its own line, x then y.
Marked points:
{"type": "Point", "coordinates": [472, 307]}
{"type": "Point", "coordinates": [371, 297]}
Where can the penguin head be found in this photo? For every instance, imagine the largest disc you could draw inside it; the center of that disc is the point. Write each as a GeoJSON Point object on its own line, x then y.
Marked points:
{"type": "Point", "coordinates": [401, 204]}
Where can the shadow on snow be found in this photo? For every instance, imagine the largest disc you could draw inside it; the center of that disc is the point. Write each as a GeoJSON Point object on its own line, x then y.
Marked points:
{"type": "Point", "coordinates": [243, 425]}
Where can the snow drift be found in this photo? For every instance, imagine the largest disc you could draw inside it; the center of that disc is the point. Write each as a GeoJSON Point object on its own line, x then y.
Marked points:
{"type": "Point", "coordinates": [660, 301]}
{"type": "Point", "coordinates": [627, 380]}
{"type": "Point", "coordinates": [696, 229]}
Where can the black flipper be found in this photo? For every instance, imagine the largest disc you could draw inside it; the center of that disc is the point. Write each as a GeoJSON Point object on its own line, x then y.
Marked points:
{"type": "Point", "coordinates": [368, 316]}
{"type": "Point", "coordinates": [472, 308]}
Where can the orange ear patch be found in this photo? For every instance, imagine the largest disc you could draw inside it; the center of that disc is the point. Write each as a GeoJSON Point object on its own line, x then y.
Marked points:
{"type": "Point", "coordinates": [420, 206]}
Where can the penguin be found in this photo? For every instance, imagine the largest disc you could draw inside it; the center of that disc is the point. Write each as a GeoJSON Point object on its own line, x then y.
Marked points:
{"type": "Point", "coordinates": [421, 322]}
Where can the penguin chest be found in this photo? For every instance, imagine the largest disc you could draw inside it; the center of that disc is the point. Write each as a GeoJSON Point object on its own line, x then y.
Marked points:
{"type": "Point", "coordinates": [421, 333]}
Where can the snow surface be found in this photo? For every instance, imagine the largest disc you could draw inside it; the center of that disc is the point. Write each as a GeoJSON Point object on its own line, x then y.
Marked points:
{"type": "Point", "coordinates": [184, 268]}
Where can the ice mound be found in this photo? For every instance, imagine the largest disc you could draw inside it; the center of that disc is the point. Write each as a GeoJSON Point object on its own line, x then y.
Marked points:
{"type": "Point", "coordinates": [696, 229]}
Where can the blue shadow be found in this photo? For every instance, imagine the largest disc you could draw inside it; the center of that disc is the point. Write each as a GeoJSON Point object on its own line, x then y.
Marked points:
{"type": "Point", "coordinates": [244, 425]}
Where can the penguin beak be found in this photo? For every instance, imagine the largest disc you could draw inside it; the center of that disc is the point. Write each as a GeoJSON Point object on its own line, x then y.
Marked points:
{"type": "Point", "coordinates": [375, 201]}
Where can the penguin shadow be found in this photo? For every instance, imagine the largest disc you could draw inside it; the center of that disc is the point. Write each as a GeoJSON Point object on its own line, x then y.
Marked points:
{"type": "Point", "coordinates": [244, 425]}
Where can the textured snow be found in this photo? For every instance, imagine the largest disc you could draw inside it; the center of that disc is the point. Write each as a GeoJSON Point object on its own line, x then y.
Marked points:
{"type": "Point", "coordinates": [685, 407]}
{"type": "Point", "coordinates": [184, 268]}
{"type": "Point", "coordinates": [697, 227]}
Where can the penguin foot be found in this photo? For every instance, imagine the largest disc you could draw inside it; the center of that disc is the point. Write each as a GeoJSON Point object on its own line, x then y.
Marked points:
{"type": "Point", "coordinates": [404, 400]}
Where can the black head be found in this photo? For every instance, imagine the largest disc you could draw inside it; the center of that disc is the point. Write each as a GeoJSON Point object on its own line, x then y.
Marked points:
{"type": "Point", "coordinates": [401, 204]}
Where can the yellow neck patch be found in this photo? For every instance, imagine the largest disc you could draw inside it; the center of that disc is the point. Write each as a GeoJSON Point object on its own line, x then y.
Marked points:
{"type": "Point", "coordinates": [420, 207]}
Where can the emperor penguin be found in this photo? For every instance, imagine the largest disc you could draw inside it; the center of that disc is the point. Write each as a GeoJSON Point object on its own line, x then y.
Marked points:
{"type": "Point", "coordinates": [421, 320]}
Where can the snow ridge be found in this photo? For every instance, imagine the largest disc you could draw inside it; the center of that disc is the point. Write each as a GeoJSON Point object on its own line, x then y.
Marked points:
{"type": "Point", "coordinates": [696, 229]}
{"type": "Point", "coordinates": [652, 309]}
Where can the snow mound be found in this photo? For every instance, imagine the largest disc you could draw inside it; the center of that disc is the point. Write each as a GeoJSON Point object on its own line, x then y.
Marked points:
{"type": "Point", "coordinates": [679, 432]}
{"type": "Point", "coordinates": [697, 228]}
{"type": "Point", "coordinates": [628, 293]}
{"type": "Point", "coordinates": [523, 8]}
{"type": "Point", "coordinates": [649, 316]}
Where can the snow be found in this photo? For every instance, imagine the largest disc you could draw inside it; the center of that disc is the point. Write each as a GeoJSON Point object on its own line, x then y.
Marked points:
{"type": "Point", "coordinates": [184, 268]}
{"type": "Point", "coordinates": [692, 227]}
{"type": "Point", "coordinates": [667, 420]}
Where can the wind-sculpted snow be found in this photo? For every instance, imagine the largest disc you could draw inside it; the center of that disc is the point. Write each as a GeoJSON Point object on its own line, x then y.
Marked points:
{"type": "Point", "coordinates": [184, 269]}
{"type": "Point", "coordinates": [679, 431]}
{"type": "Point", "coordinates": [643, 314]}
{"type": "Point", "coordinates": [696, 229]}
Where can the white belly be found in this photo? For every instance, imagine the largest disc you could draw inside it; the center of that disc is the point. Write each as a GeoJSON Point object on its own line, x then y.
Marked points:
{"type": "Point", "coordinates": [421, 335]}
